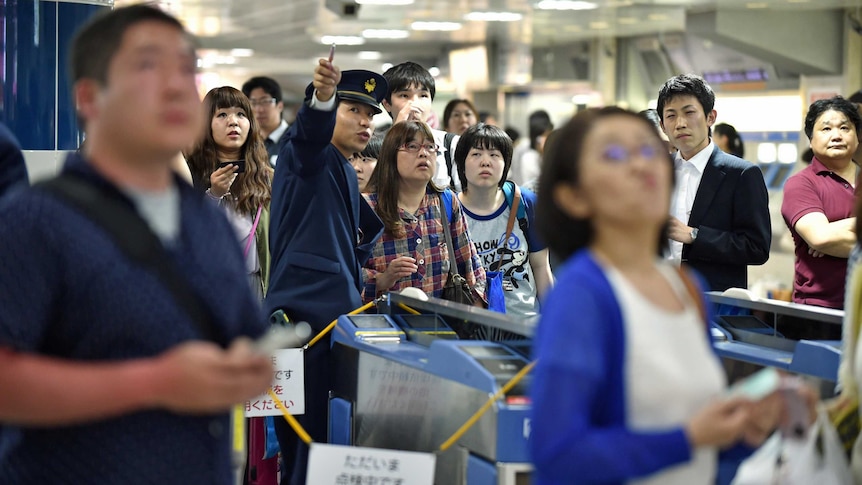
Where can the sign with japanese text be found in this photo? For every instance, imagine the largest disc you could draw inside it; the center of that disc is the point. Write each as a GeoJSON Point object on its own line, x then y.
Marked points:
{"type": "Point", "coordinates": [346, 465]}
{"type": "Point", "coordinates": [288, 383]}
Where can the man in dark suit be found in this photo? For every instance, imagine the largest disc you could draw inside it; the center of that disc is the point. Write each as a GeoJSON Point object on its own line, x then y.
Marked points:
{"type": "Point", "coordinates": [322, 230]}
{"type": "Point", "coordinates": [719, 212]}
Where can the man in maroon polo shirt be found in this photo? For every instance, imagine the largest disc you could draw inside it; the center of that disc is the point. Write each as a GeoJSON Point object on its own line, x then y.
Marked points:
{"type": "Point", "coordinates": [818, 204]}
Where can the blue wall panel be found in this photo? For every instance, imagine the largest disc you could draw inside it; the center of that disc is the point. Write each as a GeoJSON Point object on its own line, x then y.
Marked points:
{"type": "Point", "coordinates": [71, 16]}
{"type": "Point", "coordinates": [29, 71]}
{"type": "Point", "coordinates": [36, 101]}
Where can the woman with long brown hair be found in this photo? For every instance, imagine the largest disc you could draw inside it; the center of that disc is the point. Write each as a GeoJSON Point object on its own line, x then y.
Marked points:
{"type": "Point", "coordinates": [412, 250]}
{"type": "Point", "coordinates": [230, 162]}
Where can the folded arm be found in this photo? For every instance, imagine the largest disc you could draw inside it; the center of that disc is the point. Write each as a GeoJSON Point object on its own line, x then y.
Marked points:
{"type": "Point", "coordinates": [833, 238]}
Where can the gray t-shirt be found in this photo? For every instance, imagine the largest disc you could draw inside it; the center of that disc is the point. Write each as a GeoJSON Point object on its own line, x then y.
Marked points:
{"type": "Point", "coordinates": [487, 232]}
{"type": "Point", "coordinates": [161, 210]}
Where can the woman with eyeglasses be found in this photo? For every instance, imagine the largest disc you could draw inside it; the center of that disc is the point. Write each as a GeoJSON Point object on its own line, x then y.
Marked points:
{"type": "Point", "coordinates": [230, 163]}
{"type": "Point", "coordinates": [627, 387]}
{"type": "Point", "coordinates": [412, 250]}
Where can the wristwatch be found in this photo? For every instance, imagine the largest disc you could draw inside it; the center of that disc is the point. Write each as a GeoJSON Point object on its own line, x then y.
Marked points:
{"type": "Point", "coordinates": [693, 234]}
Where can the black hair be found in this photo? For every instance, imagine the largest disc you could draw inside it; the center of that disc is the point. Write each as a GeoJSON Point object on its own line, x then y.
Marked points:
{"type": "Point", "coordinates": [734, 141]}
{"type": "Point", "coordinates": [653, 116]}
{"type": "Point", "coordinates": [408, 74]}
{"type": "Point", "coordinates": [836, 103]}
{"type": "Point", "coordinates": [513, 133]}
{"type": "Point", "coordinates": [484, 115]}
{"type": "Point", "coordinates": [487, 137]}
{"type": "Point", "coordinates": [96, 43]}
{"type": "Point", "coordinates": [269, 85]}
{"type": "Point", "coordinates": [564, 234]}
{"type": "Point", "coordinates": [539, 124]}
{"type": "Point", "coordinates": [856, 97]}
{"type": "Point", "coordinates": [686, 85]}
{"type": "Point", "coordinates": [372, 149]}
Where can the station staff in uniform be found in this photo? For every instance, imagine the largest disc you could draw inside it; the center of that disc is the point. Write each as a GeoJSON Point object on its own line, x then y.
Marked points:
{"type": "Point", "coordinates": [322, 230]}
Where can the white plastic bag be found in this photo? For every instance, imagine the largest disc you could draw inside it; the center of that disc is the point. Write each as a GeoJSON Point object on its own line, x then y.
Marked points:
{"type": "Point", "coordinates": [817, 459]}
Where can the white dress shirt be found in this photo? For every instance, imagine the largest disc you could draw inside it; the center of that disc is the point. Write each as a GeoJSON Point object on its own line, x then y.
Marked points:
{"type": "Point", "coordinates": [275, 136]}
{"type": "Point", "coordinates": [688, 175]}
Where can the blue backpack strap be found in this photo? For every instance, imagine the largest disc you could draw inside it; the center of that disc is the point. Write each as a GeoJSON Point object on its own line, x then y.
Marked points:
{"type": "Point", "coordinates": [509, 193]}
{"type": "Point", "coordinates": [447, 203]}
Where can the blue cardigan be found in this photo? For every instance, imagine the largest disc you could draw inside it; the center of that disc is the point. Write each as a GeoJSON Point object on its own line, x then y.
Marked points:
{"type": "Point", "coordinates": [578, 425]}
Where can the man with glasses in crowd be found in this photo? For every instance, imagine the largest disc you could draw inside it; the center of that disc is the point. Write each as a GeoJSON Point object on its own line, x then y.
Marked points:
{"type": "Point", "coordinates": [267, 103]}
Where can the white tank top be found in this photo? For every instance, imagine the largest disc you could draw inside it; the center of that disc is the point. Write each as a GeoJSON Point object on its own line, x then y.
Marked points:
{"type": "Point", "coordinates": [670, 371]}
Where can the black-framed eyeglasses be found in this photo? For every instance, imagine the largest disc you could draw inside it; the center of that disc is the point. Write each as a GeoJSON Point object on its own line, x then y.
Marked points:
{"type": "Point", "coordinates": [414, 147]}
{"type": "Point", "coordinates": [263, 102]}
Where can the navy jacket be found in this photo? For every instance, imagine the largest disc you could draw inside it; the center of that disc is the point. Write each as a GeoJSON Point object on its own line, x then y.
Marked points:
{"type": "Point", "coordinates": [13, 171]}
{"type": "Point", "coordinates": [322, 230]}
{"type": "Point", "coordinates": [731, 213]}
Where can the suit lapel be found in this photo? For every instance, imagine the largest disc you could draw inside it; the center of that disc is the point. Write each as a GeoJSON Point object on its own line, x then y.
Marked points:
{"type": "Point", "coordinates": [709, 184]}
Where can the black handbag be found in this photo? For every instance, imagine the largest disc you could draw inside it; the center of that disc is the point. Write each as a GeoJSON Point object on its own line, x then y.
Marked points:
{"type": "Point", "coordinates": [456, 288]}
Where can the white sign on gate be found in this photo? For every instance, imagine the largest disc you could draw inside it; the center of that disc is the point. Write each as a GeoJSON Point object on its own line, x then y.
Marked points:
{"type": "Point", "coordinates": [288, 383]}
{"type": "Point", "coordinates": [345, 465]}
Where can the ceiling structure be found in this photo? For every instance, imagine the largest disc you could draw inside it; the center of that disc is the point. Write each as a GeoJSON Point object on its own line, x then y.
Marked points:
{"type": "Point", "coordinates": [283, 38]}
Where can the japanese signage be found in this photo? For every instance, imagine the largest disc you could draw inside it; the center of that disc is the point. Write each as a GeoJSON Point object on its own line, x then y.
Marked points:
{"type": "Point", "coordinates": [288, 383]}
{"type": "Point", "coordinates": [346, 465]}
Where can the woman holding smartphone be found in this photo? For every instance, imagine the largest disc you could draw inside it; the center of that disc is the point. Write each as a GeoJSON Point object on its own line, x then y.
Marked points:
{"type": "Point", "coordinates": [230, 163]}
{"type": "Point", "coordinates": [627, 386]}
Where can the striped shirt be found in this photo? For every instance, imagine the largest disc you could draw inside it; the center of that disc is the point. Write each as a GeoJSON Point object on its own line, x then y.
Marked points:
{"type": "Point", "coordinates": [426, 243]}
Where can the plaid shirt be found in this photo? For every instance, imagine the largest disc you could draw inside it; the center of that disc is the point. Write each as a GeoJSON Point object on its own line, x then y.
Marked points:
{"type": "Point", "coordinates": [426, 243]}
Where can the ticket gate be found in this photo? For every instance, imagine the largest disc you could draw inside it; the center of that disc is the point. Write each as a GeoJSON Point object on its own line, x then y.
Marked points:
{"type": "Point", "coordinates": [408, 382]}
{"type": "Point", "coordinates": [742, 331]}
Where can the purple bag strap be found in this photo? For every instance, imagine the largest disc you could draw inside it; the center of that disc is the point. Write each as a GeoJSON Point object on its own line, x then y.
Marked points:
{"type": "Point", "coordinates": [253, 230]}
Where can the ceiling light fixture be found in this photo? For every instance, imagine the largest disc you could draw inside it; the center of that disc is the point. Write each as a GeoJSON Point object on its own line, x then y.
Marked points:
{"type": "Point", "coordinates": [370, 55]}
{"type": "Point", "coordinates": [385, 2]}
{"type": "Point", "coordinates": [342, 40]}
{"type": "Point", "coordinates": [385, 34]}
{"type": "Point", "coordinates": [565, 5]}
{"type": "Point", "coordinates": [436, 26]}
{"type": "Point", "coordinates": [599, 25]}
{"type": "Point", "coordinates": [242, 52]}
{"type": "Point", "coordinates": [493, 16]}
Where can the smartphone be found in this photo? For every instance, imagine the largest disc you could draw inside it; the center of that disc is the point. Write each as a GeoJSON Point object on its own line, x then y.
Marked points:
{"type": "Point", "coordinates": [758, 385]}
{"type": "Point", "coordinates": [331, 52]}
{"type": "Point", "coordinates": [282, 337]}
{"type": "Point", "coordinates": [240, 165]}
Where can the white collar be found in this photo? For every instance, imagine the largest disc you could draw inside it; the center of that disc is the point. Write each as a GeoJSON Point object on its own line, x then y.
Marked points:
{"type": "Point", "coordinates": [276, 133]}
{"type": "Point", "coordinates": [699, 160]}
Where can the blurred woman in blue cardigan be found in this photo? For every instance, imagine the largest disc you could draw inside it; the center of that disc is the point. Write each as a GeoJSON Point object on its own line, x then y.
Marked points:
{"type": "Point", "coordinates": [627, 388]}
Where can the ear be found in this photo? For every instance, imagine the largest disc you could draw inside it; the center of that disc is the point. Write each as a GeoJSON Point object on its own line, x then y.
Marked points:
{"type": "Point", "coordinates": [280, 106]}
{"type": "Point", "coordinates": [571, 201]}
{"type": "Point", "coordinates": [387, 107]}
{"type": "Point", "coordinates": [86, 98]}
{"type": "Point", "coordinates": [710, 118]}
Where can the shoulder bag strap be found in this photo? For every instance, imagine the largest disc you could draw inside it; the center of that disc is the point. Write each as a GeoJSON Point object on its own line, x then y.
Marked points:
{"type": "Point", "coordinates": [447, 233]}
{"type": "Point", "coordinates": [136, 240]}
{"type": "Point", "coordinates": [251, 234]}
{"type": "Point", "coordinates": [513, 212]}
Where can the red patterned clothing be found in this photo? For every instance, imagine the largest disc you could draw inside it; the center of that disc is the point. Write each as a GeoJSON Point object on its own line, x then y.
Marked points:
{"type": "Point", "coordinates": [426, 243]}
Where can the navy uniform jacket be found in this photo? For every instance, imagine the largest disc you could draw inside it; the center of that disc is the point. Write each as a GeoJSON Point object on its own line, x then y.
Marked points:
{"type": "Point", "coordinates": [322, 230]}
{"type": "Point", "coordinates": [731, 213]}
